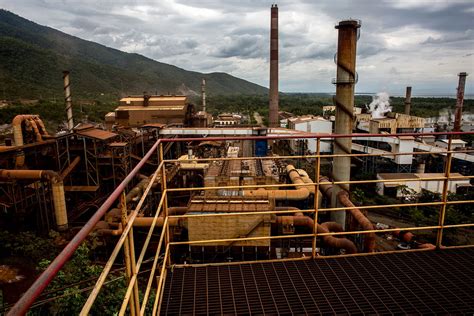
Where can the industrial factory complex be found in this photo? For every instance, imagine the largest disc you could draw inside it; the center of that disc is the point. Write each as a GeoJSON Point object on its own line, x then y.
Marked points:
{"type": "Point", "coordinates": [231, 218]}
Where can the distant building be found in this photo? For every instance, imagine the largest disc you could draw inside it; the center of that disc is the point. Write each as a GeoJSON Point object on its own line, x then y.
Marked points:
{"type": "Point", "coordinates": [135, 111]}
{"type": "Point", "coordinates": [311, 124]}
{"type": "Point", "coordinates": [283, 116]}
{"type": "Point", "coordinates": [455, 143]}
{"type": "Point", "coordinates": [202, 119]}
{"type": "Point", "coordinates": [409, 185]}
{"type": "Point", "coordinates": [331, 109]}
{"type": "Point", "coordinates": [393, 123]}
{"type": "Point", "coordinates": [227, 119]}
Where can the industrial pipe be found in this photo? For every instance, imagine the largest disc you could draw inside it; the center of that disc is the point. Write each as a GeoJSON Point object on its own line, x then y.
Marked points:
{"type": "Point", "coordinates": [33, 120]}
{"type": "Point", "coordinates": [57, 188]}
{"type": "Point", "coordinates": [25, 301]}
{"type": "Point", "coordinates": [403, 235]}
{"type": "Point", "coordinates": [41, 125]}
{"type": "Point", "coordinates": [137, 190]}
{"type": "Point", "coordinates": [331, 241]}
{"type": "Point", "coordinates": [300, 193]}
{"type": "Point", "coordinates": [306, 179]}
{"type": "Point", "coordinates": [364, 222]}
{"type": "Point", "coordinates": [361, 219]}
{"type": "Point", "coordinates": [326, 189]}
{"type": "Point", "coordinates": [33, 125]}
{"type": "Point", "coordinates": [103, 227]}
{"type": "Point", "coordinates": [115, 214]}
{"type": "Point", "coordinates": [18, 134]}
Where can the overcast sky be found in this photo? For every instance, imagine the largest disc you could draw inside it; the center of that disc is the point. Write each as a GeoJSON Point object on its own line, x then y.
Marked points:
{"type": "Point", "coordinates": [423, 43]}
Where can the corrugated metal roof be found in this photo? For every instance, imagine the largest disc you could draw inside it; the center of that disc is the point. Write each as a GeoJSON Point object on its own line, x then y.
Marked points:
{"type": "Point", "coordinates": [155, 98]}
{"type": "Point", "coordinates": [96, 133]}
{"type": "Point", "coordinates": [151, 108]}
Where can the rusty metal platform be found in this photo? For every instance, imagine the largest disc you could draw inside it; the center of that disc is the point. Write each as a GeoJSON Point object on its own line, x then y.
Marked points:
{"type": "Point", "coordinates": [429, 282]}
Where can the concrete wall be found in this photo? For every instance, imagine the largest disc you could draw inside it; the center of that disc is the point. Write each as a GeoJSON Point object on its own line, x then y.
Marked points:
{"type": "Point", "coordinates": [435, 186]}
{"type": "Point", "coordinates": [313, 126]}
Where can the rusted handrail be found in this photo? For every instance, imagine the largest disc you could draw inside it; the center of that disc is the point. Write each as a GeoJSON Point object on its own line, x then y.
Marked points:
{"type": "Point", "coordinates": [25, 301]}
{"type": "Point", "coordinates": [45, 278]}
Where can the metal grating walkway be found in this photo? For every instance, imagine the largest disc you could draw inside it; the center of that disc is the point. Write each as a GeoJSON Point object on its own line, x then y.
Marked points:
{"type": "Point", "coordinates": [440, 282]}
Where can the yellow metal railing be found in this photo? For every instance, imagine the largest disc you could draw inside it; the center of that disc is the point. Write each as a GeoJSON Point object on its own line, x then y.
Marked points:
{"type": "Point", "coordinates": [163, 253]}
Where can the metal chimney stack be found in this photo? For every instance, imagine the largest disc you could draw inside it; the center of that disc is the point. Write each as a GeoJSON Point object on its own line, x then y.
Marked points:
{"type": "Point", "coordinates": [273, 110]}
{"type": "Point", "coordinates": [203, 94]}
{"type": "Point", "coordinates": [408, 101]}
{"type": "Point", "coordinates": [68, 100]}
{"type": "Point", "coordinates": [459, 102]}
{"type": "Point", "coordinates": [344, 100]}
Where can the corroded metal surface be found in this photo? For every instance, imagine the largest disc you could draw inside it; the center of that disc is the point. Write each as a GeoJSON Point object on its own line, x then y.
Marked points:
{"type": "Point", "coordinates": [426, 282]}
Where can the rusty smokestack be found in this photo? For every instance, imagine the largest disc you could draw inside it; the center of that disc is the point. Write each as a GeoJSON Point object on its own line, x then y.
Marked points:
{"type": "Point", "coordinates": [273, 110]}
{"type": "Point", "coordinates": [68, 100]}
{"type": "Point", "coordinates": [203, 94]}
{"type": "Point", "coordinates": [408, 101]}
{"type": "Point", "coordinates": [459, 102]}
{"type": "Point", "coordinates": [344, 100]}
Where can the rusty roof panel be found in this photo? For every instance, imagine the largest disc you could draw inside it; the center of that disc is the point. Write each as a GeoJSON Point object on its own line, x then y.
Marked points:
{"type": "Point", "coordinates": [154, 125]}
{"type": "Point", "coordinates": [96, 134]}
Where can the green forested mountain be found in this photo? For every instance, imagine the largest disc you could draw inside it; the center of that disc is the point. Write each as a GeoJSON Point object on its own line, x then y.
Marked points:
{"type": "Point", "coordinates": [32, 58]}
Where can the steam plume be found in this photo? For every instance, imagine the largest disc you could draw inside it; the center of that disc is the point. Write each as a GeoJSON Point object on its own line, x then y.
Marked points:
{"type": "Point", "coordinates": [380, 105]}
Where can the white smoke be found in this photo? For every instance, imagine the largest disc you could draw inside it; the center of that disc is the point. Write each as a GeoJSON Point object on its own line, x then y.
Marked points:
{"type": "Point", "coordinates": [380, 105]}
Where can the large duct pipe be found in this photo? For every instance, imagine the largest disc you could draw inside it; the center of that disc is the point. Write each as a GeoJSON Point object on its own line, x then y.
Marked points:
{"type": "Point", "coordinates": [459, 102]}
{"type": "Point", "coordinates": [344, 100]}
{"type": "Point", "coordinates": [115, 214]}
{"type": "Point", "coordinates": [17, 122]}
{"type": "Point", "coordinates": [57, 188]}
{"type": "Point", "coordinates": [68, 100]}
{"type": "Point", "coordinates": [408, 101]}
{"type": "Point", "coordinates": [361, 219]}
{"type": "Point", "coordinates": [203, 94]}
{"type": "Point", "coordinates": [273, 106]}
{"type": "Point", "coordinates": [326, 189]}
{"type": "Point", "coordinates": [41, 125]}
{"type": "Point", "coordinates": [331, 241]}
{"type": "Point", "coordinates": [301, 192]}
{"type": "Point", "coordinates": [32, 124]}
{"type": "Point", "coordinates": [33, 121]}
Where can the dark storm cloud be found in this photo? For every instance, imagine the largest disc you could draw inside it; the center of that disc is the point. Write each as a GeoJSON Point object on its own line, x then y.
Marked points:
{"type": "Point", "coordinates": [410, 39]}
{"type": "Point", "coordinates": [467, 37]}
{"type": "Point", "coordinates": [243, 46]}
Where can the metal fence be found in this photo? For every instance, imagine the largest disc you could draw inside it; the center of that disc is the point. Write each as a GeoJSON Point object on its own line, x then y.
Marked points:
{"type": "Point", "coordinates": [163, 256]}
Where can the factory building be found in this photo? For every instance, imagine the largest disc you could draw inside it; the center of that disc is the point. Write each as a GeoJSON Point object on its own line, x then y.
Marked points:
{"type": "Point", "coordinates": [412, 186]}
{"type": "Point", "coordinates": [229, 221]}
{"type": "Point", "coordinates": [135, 111]}
{"type": "Point", "coordinates": [311, 124]}
{"type": "Point", "coordinates": [227, 119]}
